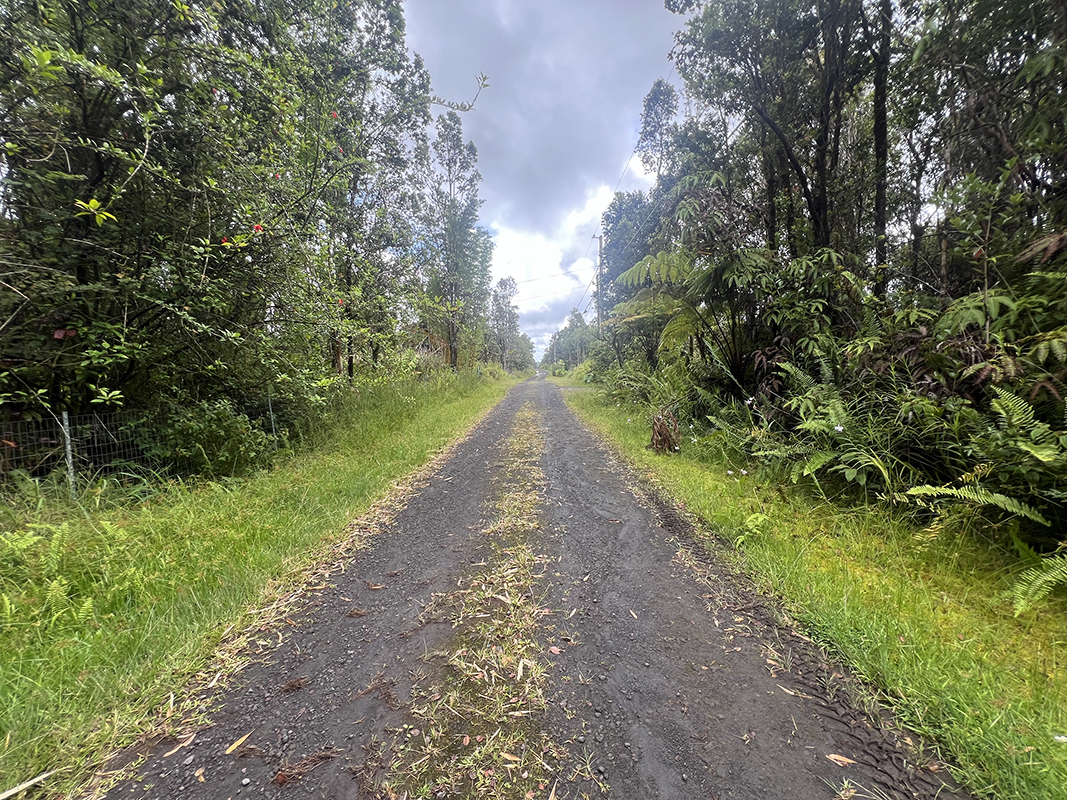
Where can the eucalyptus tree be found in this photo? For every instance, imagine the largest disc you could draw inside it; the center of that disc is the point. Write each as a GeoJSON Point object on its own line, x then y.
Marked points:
{"type": "Point", "coordinates": [790, 71]}
{"type": "Point", "coordinates": [457, 251]}
{"type": "Point", "coordinates": [504, 322]}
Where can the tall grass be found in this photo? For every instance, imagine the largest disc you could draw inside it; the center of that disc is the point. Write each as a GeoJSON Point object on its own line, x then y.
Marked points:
{"type": "Point", "coordinates": [104, 614]}
{"type": "Point", "coordinates": [926, 619]}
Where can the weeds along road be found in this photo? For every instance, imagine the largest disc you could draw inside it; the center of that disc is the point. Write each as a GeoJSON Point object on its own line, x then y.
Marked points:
{"type": "Point", "coordinates": [531, 625]}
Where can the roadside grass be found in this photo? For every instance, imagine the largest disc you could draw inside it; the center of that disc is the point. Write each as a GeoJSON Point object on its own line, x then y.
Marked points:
{"type": "Point", "coordinates": [107, 617]}
{"type": "Point", "coordinates": [927, 621]}
{"type": "Point", "coordinates": [476, 731]}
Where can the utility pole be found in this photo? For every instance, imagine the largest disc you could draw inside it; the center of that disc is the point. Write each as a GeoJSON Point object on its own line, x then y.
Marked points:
{"type": "Point", "coordinates": [599, 276]}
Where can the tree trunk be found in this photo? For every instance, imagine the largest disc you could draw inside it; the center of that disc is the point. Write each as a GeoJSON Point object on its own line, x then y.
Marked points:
{"type": "Point", "coordinates": [881, 136]}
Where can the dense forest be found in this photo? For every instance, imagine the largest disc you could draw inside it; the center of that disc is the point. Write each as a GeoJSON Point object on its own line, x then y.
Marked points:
{"type": "Point", "coordinates": [207, 210]}
{"type": "Point", "coordinates": [852, 267]}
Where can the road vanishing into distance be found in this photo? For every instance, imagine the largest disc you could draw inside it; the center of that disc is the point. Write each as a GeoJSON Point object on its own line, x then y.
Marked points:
{"type": "Point", "coordinates": [529, 620]}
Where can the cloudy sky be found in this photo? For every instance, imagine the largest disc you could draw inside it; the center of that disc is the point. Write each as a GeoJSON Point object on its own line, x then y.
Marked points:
{"type": "Point", "coordinates": [555, 129]}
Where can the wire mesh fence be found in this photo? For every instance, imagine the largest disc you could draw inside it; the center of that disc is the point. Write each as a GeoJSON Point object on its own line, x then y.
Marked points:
{"type": "Point", "coordinates": [79, 445]}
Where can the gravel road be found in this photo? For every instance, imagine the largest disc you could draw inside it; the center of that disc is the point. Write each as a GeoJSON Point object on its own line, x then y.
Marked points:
{"type": "Point", "coordinates": [650, 669]}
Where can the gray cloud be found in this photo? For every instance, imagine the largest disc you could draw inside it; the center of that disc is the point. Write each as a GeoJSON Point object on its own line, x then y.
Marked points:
{"type": "Point", "coordinates": [542, 322]}
{"type": "Point", "coordinates": [562, 113]}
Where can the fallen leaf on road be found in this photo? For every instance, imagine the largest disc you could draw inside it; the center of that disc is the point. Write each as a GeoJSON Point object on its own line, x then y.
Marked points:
{"type": "Point", "coordinates": [554, 650]}
{"type": "Point", "coordinates": [511, 757]}
{"type": "Point", "coordinates": [356, 612]}
{"type": "Point", "coordinates": [374, 586]}
{"type": "Point", "coordinates": [466, 740]}
{"type": "Point", "coordinates": [238, 743]}
{"type": "Point", "coordinates": [841, 761]}
{"type": "Point", "coordinates": [632, 614]}
{"type": "Point", "coordinates": [200, 774]}
{"type": "Point", "coordinates": [180, 745]}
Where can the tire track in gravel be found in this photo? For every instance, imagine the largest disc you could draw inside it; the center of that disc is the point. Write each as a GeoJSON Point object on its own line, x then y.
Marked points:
{"type": "Point", "coordinates": [641, 668]}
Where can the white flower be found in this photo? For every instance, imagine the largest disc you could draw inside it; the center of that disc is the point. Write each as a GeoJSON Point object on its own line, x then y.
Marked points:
{"type": "Point", "coordinates": [1060, 738]}
{"type": "Point", "coordinates": [750, 401]}
{"type": "Point", "coordinates": [693, 439]}
{"type": "Point", "coordinates": [744, 472]}
{"type": "Point", "coordinates": [839, 428]}
{"type": "Point", "coordinates": [676, 447]}
{"type": "Point", "coordinates": [629, 420]}
{"type": "Point", "coordinates": [729, 472]}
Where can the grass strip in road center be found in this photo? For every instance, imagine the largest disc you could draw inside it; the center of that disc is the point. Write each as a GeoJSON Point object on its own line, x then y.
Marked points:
{"type": "Point", "coordinates": [476, 732]}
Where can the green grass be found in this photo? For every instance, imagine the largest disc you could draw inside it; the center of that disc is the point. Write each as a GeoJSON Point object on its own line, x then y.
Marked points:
{"type": "Point", "coordinates": [103, 617]}
{"type": "Point", "coordinates": [926, 621]}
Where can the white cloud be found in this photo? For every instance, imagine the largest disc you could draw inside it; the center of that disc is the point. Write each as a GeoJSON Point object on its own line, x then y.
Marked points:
{"type": "Point", "coordinates": [554, 272]}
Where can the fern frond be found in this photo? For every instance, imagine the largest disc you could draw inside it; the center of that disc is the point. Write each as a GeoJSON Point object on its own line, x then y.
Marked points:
{"type": "Point", "coordinates": [785, 451]}
{"type": "Point", "coordinates": [811, 465]}
{"type": "Point", "coordinates": [1036, 583]}
{"type": "Point", "coordinates": [807, 383]}
{"type": "Point", "coordinates": [1015, 411]}
{"type": "Point", "coordinates": [665, 267]}
{"type": "Point", "coordinates": [979, 496]}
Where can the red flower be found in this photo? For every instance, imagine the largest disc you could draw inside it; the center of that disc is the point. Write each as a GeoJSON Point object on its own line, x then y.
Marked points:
{"type": "Point", "coordinates": [333, 114]}
{"type": "Point", "coordinates": [340, 302]}
{"type": "Point", "coordinates": [277, 176]}
{"type": "Point", "coordinates": [225, 240]}
{"type": "Point", "coordinates": [257, 229]}
{"type": "Point", "coordinates": [341, 149]}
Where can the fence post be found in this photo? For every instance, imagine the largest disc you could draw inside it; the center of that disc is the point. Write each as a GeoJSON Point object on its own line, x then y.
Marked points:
{"type": "Point", "coordinates": [270, 408]}
{"type": "Point", "coordinates": [70, 456]}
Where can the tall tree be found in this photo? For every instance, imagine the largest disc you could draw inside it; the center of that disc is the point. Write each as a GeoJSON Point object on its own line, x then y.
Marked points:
{"type": "Point", "coordinates": [460, 251]}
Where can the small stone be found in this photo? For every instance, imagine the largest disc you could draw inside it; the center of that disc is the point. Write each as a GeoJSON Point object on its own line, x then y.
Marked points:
{"type": "Point", "coordinates": [581, 740]}
{"type": "Point", "coordinates": [245, 781]}
{"type": "Point", "coordinates": [187, 761]}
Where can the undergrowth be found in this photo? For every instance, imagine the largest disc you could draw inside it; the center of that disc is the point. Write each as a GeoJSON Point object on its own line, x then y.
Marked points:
{"type": "Point", "coordinates": [924, 616]}
{"type": "Point", "coordinates": [109, 606]}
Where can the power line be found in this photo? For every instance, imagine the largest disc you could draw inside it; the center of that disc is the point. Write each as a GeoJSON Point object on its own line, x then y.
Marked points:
{"type": "Point", "coordinates": [597, 229]}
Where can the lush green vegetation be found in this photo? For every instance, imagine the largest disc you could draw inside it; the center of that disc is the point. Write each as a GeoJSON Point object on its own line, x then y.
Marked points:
{"type": "Point", "coordinates": [102, 617]}
{"type": "Point", "coordinates": [853, 265]}
{"type": "Point", "coordinates": [926, 619]}
{"type": "Point", "coordinates": [218, 211]}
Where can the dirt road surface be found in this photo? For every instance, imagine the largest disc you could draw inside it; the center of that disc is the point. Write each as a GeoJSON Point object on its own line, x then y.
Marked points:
{"type": "Point", "coordinates": [534, 624]}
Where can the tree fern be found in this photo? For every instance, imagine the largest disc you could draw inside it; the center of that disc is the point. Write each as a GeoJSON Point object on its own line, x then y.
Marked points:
{"type": "Point", "coordinates": [672, 267]}
{"type": "Point", "coordinates": [1036, 583]}
{"type": "Point", "coordinates": [978, 496]}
